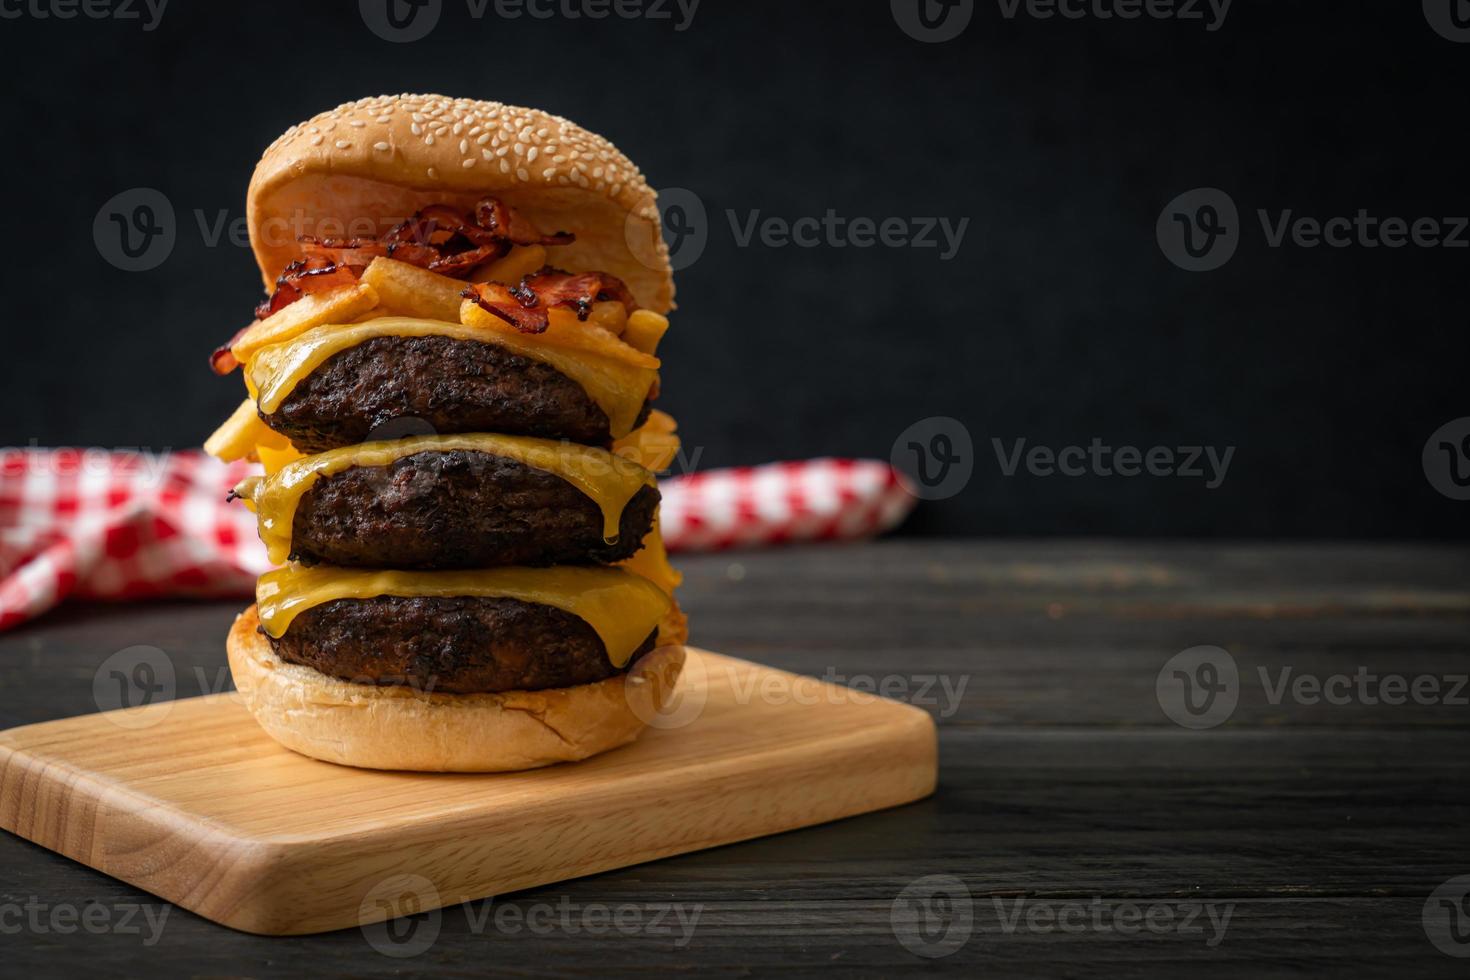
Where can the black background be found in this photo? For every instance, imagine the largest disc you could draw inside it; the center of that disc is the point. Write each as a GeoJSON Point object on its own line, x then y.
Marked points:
{"type": "Point", "coordinates": [1059, 320]}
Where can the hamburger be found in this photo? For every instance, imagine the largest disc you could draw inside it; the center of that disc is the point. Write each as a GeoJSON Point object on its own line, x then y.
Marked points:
{"type": "Point", "coordinates": [449, 387]}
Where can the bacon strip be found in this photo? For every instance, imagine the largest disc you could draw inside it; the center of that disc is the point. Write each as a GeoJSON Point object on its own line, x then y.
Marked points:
{"type": "Point", "coordinates": [577, 290]}
{"type": "Point", "coordinates": [342, 251]}
{"type": "Point", "coordinates": [223, 361]}
{"type": "Point", "coordinates": [526, 305]}
{"type": "Point", "coordinates": [443, 240]}
{"type": "Point", "coordinates": [496, 217]}
{"type": "Point", "coordinates": [436, 238]}
{"type": "Point", "coordinates": [309, 275]}
{"type": "Point", "coordinates": [463, 263]}
{"type": "Point", "coordinates": [436, 218]}
{"type": "Point", "coordinates": [505, 302]}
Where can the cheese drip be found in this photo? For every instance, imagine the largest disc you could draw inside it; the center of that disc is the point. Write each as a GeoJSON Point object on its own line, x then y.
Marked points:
{"type": "Point", "coordinates": [652, 561]}
{"type": "Point", "coordinates": [609, 480]}
{"type": "Point", "coordinates": [622, 608]}
{"type": "Point", "coordinates": [617, 387]}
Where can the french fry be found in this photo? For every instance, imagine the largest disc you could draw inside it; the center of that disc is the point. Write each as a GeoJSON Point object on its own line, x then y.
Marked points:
{"type": "Point", "coordinates": [338, 305]}
{"type": "Point", "coordinates": [522, 260]}
{"type": "Point", "coordinates": [565, 331]}
{"type": "Point", "coordinates": [653, 445]}
{"type": "Point", "coordinates": [407, 290]}
{"type": "Point", "coordinates": [610, 315]}
{"type": "Point", "coordinates": [644, 330]}
{"type": "Point", "coordinates": [242, 434]}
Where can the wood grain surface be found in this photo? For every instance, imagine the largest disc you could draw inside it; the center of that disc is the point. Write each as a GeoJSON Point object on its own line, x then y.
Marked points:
{"type": "Point", "coordinates": [1322, 827]}
{"type": "Point", "coordinates": [199, 806]}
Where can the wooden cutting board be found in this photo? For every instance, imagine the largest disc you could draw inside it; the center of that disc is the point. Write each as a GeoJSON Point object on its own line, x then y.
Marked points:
{"type": "Point", "coordinates": [197, 805]}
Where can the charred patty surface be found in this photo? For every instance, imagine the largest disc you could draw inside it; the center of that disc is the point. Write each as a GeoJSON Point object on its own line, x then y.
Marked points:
{"type": "Point", "coordinates": [442, 385]}
{"type": "Point", "coordinates": [459, 645]}
{"type": "Point", "coordinates": [459, 509]}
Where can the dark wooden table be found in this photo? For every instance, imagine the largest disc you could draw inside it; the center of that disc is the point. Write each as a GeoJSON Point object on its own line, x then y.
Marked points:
{"type": "Point", "coordinates": [1077, 830]}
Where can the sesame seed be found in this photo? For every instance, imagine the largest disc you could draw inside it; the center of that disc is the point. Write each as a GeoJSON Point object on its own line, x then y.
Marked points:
{"type": "Point", "coordinates": [532, 145]}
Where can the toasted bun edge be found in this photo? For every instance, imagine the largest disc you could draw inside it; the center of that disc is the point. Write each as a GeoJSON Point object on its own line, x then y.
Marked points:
{"type": "Point", "coordinates": [403, 728]}
{"type": "Point", "coordinates": [380, 159]}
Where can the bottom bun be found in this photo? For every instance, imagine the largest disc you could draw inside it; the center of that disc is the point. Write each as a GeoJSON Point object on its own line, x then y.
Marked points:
{"type": "Point", "coordinates": [403, 728]}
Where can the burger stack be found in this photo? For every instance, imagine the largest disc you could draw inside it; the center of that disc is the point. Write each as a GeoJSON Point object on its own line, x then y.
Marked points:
{"type": "Point", "coordinates": [449, 388]}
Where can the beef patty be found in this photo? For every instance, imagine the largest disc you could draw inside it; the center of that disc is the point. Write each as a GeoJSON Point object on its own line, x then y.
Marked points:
{"type": "Point", "coordinates": [460, 645]}
{"type": "Point", "coordinates": [443, 385]}
{"type": "Point", "coordinates": [459, 509]}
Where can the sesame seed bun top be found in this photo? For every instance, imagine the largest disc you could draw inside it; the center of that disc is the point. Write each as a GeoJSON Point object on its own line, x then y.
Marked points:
{"type": "Point", "coordinates": [362, 167]}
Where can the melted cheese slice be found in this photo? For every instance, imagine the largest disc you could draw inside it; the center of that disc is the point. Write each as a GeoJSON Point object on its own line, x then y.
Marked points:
{"type": "Point", "coordinates": [652, 562]}
{"type": "Point", "coordinates": [654, 445]}
{"type": "Point", "coordinates": [609, 480]}
{"type": "Point", "coordinates": [618, 387]}
{"type": "Point", "coordinates": [274, 460]}
{"type": "Point", "coordinates": [622, 608]}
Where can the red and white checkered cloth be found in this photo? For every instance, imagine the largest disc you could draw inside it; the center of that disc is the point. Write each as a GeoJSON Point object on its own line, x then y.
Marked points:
{"type": "Point", "coordinates": [95, 524]}
{"type": "Point", "coordinates": [810, 500]}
